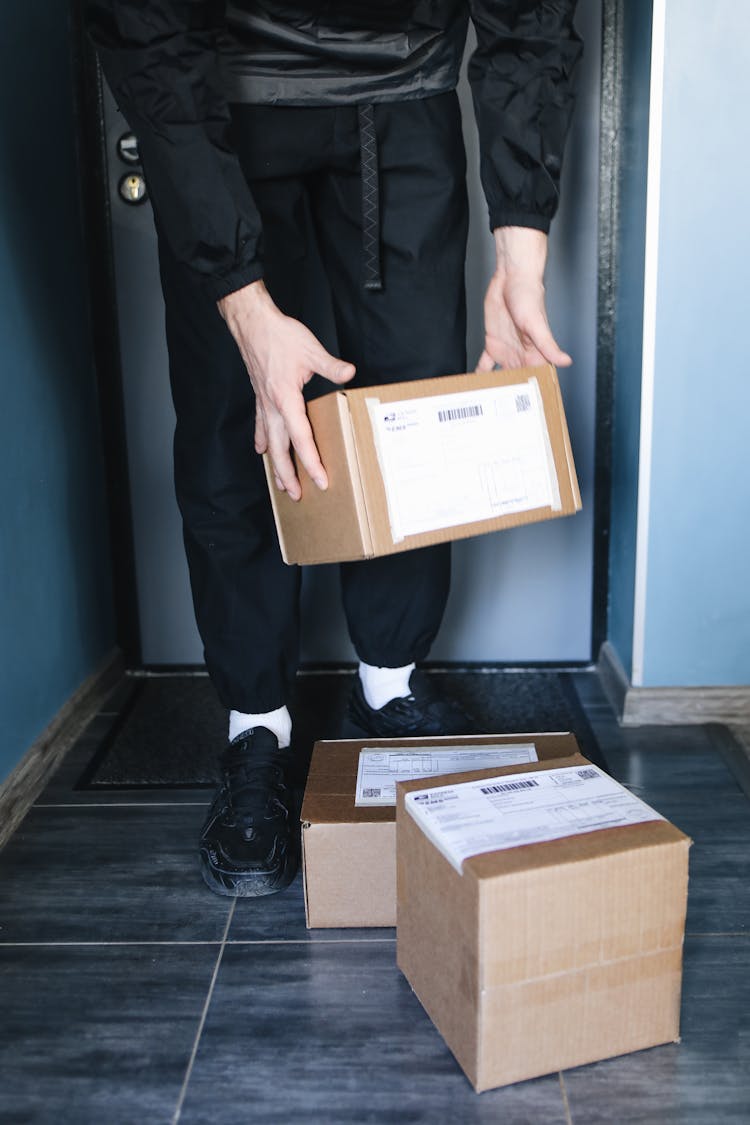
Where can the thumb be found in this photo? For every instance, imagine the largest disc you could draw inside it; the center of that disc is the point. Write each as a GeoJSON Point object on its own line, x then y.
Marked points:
{"type": "Point", "coordinates": [546, 344]}
{"type": "Point", "coordinates": [337, 370]}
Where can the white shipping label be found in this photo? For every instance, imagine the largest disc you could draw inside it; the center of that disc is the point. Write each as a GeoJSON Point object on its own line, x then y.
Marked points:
{"type": "Point", "coordinates": [529, 808]}
{"type": "Point", "coordinates": [456, 458]}
{"type": "Point", "coordinates": [379, 770]}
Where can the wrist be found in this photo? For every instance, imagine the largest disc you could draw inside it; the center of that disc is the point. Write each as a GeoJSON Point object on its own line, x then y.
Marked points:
{"type": "Point", "coordinates": [249, 302]}
{"type": "Point", "coordinates": [520, 250]}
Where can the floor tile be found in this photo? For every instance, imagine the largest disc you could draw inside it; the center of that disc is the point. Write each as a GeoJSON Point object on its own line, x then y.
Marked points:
{"type": "Point", "coordinates": [682, 756]}
{"type": "Point", "coordinates": [706, 1077]}
{"type": "Point", "coordinates": [675, 758]}
{"type": "Point", "coordinates": [320, 1024]}
{"type": "Point", "coordinates": [718, 898]}
{"type": "Point", "coordinates": [333, 1034]}
{"type": "Point", "coordinates": [107, 874]}
{"type": "Point", "coordinates": [281, 917]}
{"type": "Point", "coordinates": [98, 1035]}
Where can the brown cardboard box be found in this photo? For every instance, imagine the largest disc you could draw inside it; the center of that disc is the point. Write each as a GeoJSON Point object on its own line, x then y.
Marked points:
{"type": "Point", "coordinates": [349, 851]}
{"type": "Point", "coordinates": [354, 518]}
{"type": "Point", "coordinates": [546, 956]}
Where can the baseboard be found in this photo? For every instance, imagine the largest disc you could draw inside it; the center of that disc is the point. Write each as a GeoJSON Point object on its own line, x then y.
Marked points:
{"type": "Point", "coordinates": [641, 706]}
{"type": "Point", "coordinates": [19, 791]}
{"type": "Point", "coordinates": [613, 678]}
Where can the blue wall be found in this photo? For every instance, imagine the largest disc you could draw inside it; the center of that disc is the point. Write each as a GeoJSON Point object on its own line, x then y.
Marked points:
{"type": "Point", "coordinates": [635, 80]}
{"type": "Point", "coordinates": [697, 623]}
{"type": "Point", "coordinates": [56, 619]}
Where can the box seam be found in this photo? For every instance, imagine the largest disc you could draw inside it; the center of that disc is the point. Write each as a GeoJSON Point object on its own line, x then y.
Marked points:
{"type": "Point", "coordinates": [364, 523]}
{"type": "Point", "coordinates": [544, 977]}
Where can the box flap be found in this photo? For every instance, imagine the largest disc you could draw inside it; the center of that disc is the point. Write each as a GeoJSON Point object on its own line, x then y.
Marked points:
{"type": "Point", "coordinates": [350, 875]}
{"type": "Point", "coordinates": [325, 526]}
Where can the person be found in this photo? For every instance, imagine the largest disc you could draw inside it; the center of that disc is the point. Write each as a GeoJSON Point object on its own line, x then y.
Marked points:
{"type": "Point", "coordinates": [267, 129]}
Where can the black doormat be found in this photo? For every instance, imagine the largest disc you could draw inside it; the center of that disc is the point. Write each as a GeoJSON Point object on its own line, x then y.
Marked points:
{"type": "Point", "coordinates": [172, 728]}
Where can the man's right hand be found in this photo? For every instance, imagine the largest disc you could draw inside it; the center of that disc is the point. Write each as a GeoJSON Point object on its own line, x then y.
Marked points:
{"type": "Point", "coordinates": [281, 356]}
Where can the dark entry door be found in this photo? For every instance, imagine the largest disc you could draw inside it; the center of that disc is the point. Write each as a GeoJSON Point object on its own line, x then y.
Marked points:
{"type": "Point", "coordinates": [520, 596]}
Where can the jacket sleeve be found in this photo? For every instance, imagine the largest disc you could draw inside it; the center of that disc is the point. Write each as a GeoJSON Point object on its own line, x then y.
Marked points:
{"type": "Point", "coordinates": [522, 76]}
{"type": "Point", "coordinates": [159, 57]}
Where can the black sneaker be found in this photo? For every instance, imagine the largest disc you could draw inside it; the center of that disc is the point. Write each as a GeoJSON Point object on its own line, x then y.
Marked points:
{"type": "Point", "coordinates": [248, 845]}
{"type": "Point", "coordinates": [421, 713]}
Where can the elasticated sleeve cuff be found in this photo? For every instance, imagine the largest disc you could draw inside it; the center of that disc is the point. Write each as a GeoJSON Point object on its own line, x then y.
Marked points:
{"type": "Point", "coordinates": [503, 218]}
{"type": "Point", "coordinates": [220, 285]}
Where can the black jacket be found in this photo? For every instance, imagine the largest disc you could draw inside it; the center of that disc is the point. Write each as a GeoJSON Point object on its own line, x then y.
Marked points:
{"type": "Point", "coordinates": [175, 65]}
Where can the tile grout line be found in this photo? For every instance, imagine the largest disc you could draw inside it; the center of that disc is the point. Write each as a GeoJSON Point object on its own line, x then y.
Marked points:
{"type": "Point", "coordinates": [717, 933]}
{"type": "Point", "coordinates": [127, 805]}
{"type": "Point", "coordinates": [218, 941]}
{"type": "Point", "coordinates": [202, 1021]}
{"type": "Point", "coordinates": [566, 1103]}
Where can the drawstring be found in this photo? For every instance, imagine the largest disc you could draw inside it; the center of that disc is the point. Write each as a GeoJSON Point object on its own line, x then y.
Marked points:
{"type": "Point", "coordinates": [370, 198]}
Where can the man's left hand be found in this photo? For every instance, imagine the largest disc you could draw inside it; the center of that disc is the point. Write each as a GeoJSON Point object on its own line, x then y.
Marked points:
{"type": "Point", "coordinates": [517, 332]}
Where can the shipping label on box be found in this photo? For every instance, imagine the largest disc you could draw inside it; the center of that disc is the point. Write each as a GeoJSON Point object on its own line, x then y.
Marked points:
{"type": "Point", "coordinates": [379, 770]}
{"type": "Point", "coordinates": [529, 808]}
{"type": "Point", "coordinates": [485, 452]}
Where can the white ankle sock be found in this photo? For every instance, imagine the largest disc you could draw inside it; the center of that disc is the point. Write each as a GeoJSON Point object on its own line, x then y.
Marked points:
{"type": "Point", "coordinates": [381, 685]}
{"type": "Point", "coordinates": [278, 721]}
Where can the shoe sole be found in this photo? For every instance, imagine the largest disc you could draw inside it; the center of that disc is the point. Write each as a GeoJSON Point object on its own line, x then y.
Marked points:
{"type": "Point", "coordinates": [249, 884]}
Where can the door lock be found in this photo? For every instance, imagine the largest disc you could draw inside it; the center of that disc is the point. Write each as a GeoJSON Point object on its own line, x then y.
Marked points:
{"type": "Point", "coordinates": [132, 188]}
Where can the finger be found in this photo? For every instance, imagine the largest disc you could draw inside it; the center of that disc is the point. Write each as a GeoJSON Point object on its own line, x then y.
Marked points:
{"type": "Point", "coordinates": [486, 362]}
{"type": "Point", "coordinates": [304, 444]}
{"type": "Point", "coordinates": [505, 353]}
{"type": "Point", "coordinates": [261, 437]}
{"type": "Point", "coordinates": [301, 437]}
{"type": "Point", "coordinates": [284, 471]}
{"type": "Point", "coordinates": [336, 370]}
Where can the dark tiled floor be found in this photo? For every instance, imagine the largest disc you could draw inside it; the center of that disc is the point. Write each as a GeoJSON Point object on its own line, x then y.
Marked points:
{"type": "Point", "coordinates": [132, 994]}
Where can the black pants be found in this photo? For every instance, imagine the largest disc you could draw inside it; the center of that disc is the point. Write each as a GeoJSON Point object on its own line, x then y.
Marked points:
{"type": "Point", "coordinates": [303, 165]}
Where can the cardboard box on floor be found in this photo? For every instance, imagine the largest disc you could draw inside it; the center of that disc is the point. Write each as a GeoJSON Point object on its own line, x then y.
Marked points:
{"type": "Point", "coordinates": [538, 958]}
{"type": "Point", "coordinates": [349, 851]}
{"type": "Point", "coordinates": [424, 462]}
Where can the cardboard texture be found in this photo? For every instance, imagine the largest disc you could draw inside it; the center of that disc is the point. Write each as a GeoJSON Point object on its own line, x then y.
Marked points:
{"type": "Point", "coordinates": [539, 958]}
{"type": "Point", "coordinates": [350, 520]}
{"type": "Point", "coordinates": [349, 852]}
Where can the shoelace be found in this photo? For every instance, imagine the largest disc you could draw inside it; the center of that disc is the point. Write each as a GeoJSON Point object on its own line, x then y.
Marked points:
{"type": "Point", "coordinates": [252, 787]}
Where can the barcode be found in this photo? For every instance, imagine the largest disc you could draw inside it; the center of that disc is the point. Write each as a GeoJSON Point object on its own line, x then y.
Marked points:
{"type": "Point", "coordinates": [509, 786]}
{"type": "Point", "coordinates": [586, 774]}
{"type": "Point", "coordinates": [459, 412]}
{"type": "Point", "coordinates": [371, 792]}
{"type": "Point", "coordinates": [523, 403]}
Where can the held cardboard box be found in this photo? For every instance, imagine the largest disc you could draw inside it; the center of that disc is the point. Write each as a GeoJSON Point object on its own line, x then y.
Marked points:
{"type": "Point", "coordinates": [349, 851]}
{"type": "Point", "coordinates": [423, 462]}
{"type": "Point", "coordinates": [536, 958]}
